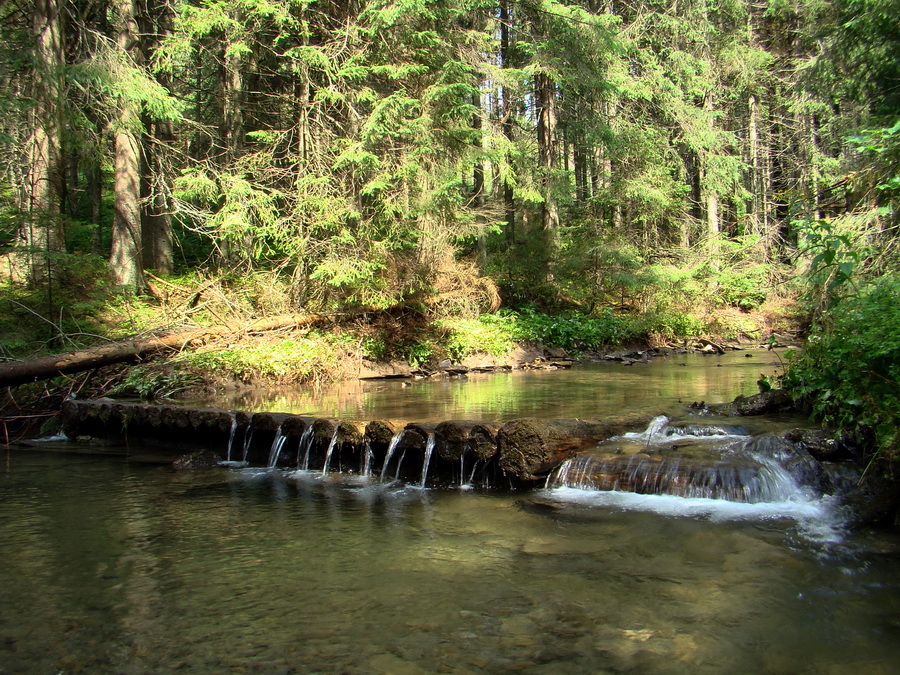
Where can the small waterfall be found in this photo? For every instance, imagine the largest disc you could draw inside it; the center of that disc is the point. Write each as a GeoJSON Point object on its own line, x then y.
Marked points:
{"type": "Point", "coordinates": [306, 442]}
{"type": "Point", "coordinates": [399, 464]}
{"type": "Point", "coordinates": [657, 424]}
{"type": "Point", "coordinates": [331, 446]}
{"type": "Point", "coordinates": [275, 451]}
{"type": "Point", "coordinates": [766, 481]}
{"type": "Point", "coordinates": [429, 450]}
{"type": "Point", "coordinates": [392, 447]}
{"type": "Point", "coordinates": [248, 438]}
{"type": "Point", "coordinates": [367, 459]}
{"type": "Point", "coordinates": [709, 463]}
{"type": "Point", "coordinates": [234, 426]}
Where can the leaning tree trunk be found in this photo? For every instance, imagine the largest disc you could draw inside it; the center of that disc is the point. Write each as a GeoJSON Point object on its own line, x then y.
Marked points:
{"type": "Point", "coordinates": [13, 373]}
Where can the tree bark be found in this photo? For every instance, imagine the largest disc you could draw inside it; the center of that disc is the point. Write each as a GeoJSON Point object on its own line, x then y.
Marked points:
{"type": "Point", "coordinates": [156, 225]}
{"type": "Point", "coordinates": [125, 257]}
{"type": "Point", "coordinates": [507, 112]}
{"type": "Point", "coordinates": [710, 195]}
{"type": "Point", "coordinates": [531, 448]}
{"type": "Point", "coordinates": [546, 131]}
{"type": "Point", "coordinates": [41, 233]}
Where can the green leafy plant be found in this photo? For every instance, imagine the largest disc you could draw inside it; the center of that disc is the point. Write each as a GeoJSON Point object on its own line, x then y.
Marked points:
{"type": "Point", "coordinates": [489, 333]}
{"type": "Point", "coordinates": [154, 384]}
{"type": "Point", "coordinates": [849, 373]}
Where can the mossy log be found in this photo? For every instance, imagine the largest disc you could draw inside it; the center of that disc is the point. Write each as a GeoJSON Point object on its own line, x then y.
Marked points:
{"type": "Point", "coordinates": [456, 437]}
{"type": "Point", "coordinates": [462, 451]}
{"type": "Point", "coordinates": [14, 373]}
{"type": "Point", "coordinates": [531, 448]}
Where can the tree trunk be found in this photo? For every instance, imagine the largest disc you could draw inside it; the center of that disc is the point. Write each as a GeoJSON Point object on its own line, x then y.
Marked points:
{"type": "Point", "coordinates": [546, 132]}
{"type": "Point", "coordinates": [507, 112]}
{"type": "Point", "coordinates": [157, 217]}
{"type": "Point", "coordinates": [125, 257]}
{"type": "Point", "coordinates": [232, 113]}
{"type": "Point", "coordinates": [710, 195]}
{"type": "Point", "coordinates": [157, 221]}
{"type": "Point", "coordinates": [478, 168]}
{"type": "Point", "coordinates": [41, 232]}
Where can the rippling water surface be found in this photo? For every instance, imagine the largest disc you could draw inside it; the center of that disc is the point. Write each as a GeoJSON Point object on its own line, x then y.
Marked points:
{"type": "Point", "coordinates": [110, 566]}
{"type": "Point", "coordinates": [115, 566]}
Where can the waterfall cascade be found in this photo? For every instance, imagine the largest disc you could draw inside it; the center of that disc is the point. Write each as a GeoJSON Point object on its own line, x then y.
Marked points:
{"type": "Point", "coordinates": [694, 461]}
{"type": "Point", "coordinates": [710, 458]}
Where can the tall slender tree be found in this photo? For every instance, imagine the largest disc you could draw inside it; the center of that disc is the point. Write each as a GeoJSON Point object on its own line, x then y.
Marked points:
{"type": "Point", "coordinates": [126, 255]}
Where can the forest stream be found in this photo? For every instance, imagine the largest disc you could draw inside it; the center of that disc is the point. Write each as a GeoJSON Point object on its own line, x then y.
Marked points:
{"type": "Point", "coordinates": [117, 565]}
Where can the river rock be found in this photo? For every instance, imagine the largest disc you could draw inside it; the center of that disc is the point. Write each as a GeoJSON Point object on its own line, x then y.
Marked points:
{"type": "Point", "coordinates": [820, 444]}
{"type": "Point", "coordinates": [872, 502]}
{"type": "Point", "coordinates": [767, 402]}
{"type": "Point", "coordinates": [192, 461]}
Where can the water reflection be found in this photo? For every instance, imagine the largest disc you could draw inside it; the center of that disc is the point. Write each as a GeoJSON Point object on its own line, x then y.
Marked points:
{"type": "Point", "coordinates": [586, 391]}
{"type": "Point", "coordinates": [111, 567]}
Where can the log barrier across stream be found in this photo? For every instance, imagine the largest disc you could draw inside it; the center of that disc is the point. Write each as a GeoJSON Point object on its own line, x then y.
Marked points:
{"type": "Point", "coordinates": [519, 452]}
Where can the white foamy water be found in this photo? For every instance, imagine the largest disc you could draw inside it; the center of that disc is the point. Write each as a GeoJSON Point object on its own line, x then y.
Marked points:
{"type": "Point", "coordinates": [51, 439]}
{"type": "Point", "coordinates": [818, 519]}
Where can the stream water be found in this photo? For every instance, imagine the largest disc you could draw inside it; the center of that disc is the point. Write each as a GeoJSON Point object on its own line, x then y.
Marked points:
{"type": "Point", "coordinates": [591, 390]}
{"type": "Point", "coordinates": [116, 566]}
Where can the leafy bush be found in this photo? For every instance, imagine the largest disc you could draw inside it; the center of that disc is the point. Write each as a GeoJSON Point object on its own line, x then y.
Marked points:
{"type": "Point", "coordinates": [154, 383]}
{"type": "Point", "coordinates": [419, 353]}
{"type": "Point", "coordinates": [489, 333]}
{"type": "Point", "coordinates": [746, 289]}
{"type": "Point", "coordinates": [572, 331]}
{"type": "Point", "coordinates": [299, 359]}
{"type": "Point", "coordinates": [850, 369]}
{"type": "Point", "coordinates": [667, 324]}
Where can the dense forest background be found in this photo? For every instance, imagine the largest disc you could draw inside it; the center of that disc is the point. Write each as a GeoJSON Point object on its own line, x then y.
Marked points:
{"type": "Point", "coordinates": [665, 159]}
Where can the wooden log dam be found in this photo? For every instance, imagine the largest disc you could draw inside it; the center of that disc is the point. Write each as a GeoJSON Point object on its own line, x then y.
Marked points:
{"type": "Point", "coordinates": [519, 452]}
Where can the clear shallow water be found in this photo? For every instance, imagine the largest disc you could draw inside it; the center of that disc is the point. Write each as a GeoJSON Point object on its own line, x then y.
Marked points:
{"type": "Point", "coordinates": [114, 566]}
{"type": "Point", "coordinates": [111, 566]}
{"type": "Point", "coordinates": [590, 390]}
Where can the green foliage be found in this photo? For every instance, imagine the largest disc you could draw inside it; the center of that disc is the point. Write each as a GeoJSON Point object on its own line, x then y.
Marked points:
{"type": "Point", "coordinates": [374, 347]}
{"type": "Point", "coordinates": [64, 311]}
{"type": "Point", "coordinates": [572, 331]}
{"type": "Point", "coordinates": [849, 372]}
{"type": "Point", "coordinates": [489, 334]}
{"type": "Point", "coordinates": [744, 288]}
{"type": "Point", "coordinates": [150, 383]}
{"type": "Point", "coordinates": [667, 324]}
{"type": "Point", "coordinates": [418, 353]}
{"type": "Point", "coordinates": [309, 358]}
{"type": "Point", "coordinates": [834, 256]}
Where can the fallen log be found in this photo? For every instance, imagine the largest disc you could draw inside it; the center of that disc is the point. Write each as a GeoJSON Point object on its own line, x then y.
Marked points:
{"type": "Point", "coordinates": [21, 372]}
{"type": "Point", "coordinates": [455, 437]}
{"type": "Point", "coordinates": [531, 448]}
{"type": "Point", "coordinates": [463, 452]}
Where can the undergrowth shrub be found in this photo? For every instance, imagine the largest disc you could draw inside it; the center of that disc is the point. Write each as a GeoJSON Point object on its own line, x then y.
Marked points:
{"type": "Point", "coordinates": [572, 331]}
{"type": "Point", "coordinates": [850, 369]}
{"type": "Point", "coordinates": [667, 324]}
{"type": "Point", "coordinates": [313, 357]}
{"type": "Point", "coordinates": [489, 334]}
